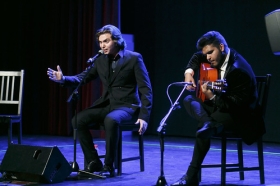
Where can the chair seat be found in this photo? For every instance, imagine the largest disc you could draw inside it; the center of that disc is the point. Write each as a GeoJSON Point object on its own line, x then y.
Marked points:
{"type": "Point", "coordinates": [228, 134]}
{"type": "Point", "coordinates": [129, 127]}
{"type": "Point", "coordinates": [7, 118]}
{"type": "Point", "coordinates": [10, 116]}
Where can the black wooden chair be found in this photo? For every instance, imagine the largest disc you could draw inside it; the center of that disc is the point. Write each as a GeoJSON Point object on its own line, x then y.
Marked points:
{"type": "Point", "coordinates": [119, 156]}
{"type": "Point", "coordinates": [263, 83]}
{"type": "Point", "coordinates": [140, 157]}
{"type": "Point", "coordinates": [11, 94]}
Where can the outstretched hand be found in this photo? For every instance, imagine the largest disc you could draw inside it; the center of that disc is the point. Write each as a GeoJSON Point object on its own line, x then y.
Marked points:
{"type": "Point", "coordinates": [56, 76]}
{"type": "Point", "coordinates": [143, 126]}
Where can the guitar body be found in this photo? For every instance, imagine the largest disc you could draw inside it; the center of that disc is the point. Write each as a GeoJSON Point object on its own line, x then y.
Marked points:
{"type": "Point", "coordinates": [206, 73]}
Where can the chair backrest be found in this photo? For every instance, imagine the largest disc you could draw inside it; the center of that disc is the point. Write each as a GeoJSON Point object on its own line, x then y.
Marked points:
{"type": "Point", "coordinates": [11, 91]}
{"type": "Point", "coordinates": [263, 83]}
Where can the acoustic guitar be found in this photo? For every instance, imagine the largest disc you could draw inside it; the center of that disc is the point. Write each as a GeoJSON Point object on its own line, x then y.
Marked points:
{"type": "Point", "coordinates": [210, 75]}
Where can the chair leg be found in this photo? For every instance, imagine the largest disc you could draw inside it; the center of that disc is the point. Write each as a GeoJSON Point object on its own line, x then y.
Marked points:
{"type": "Point", "coordinates": [261, 162]}
{"type": "Point", "coordinates": [10, 132]}
{"type": "Point", "coordinates": [141, 152]}
{"type": "Point", "coordinates": [199, 174]}
{"type": "Point", "coordinates": [223, 161]}
{"type": "Point", "coordinates": [240, 159]}
{"type": "Point", "coordinates": [20, 133]}
{"type": "Point", "coordinates": [119, 154]}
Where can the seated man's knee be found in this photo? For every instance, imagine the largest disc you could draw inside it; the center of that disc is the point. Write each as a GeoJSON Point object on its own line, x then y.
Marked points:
{"type": "Point", "coordinates": [109, 123]}
{"type": "Point", "coordinates": [189, 98]}
{"type": "Point", "coordinates": [77, 124]}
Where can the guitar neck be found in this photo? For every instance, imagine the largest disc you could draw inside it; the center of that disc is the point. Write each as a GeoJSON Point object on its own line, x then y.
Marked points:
{"type": "Point", "coordinates": [211, 85]}
{"type": "Point", "coordinates": [218, 85]}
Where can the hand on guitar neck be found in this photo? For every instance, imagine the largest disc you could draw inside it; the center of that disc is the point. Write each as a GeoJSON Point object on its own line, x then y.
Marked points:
{"type": "Point", "coordinates": [208, 80]}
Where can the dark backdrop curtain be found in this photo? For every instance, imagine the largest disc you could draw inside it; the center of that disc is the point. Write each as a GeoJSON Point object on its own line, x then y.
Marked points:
{"type": "Point", "coordinates": [37, 34]}
{"type": "Point", "coordinates": [42, 34]}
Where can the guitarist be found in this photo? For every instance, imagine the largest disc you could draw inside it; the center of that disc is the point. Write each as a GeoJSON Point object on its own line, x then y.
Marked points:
{"type": "Point", "coordinates": [229, 110]}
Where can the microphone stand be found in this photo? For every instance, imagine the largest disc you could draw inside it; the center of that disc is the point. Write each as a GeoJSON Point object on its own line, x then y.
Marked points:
{"type": "Point", "coordinates": [161, 131]}
{"type": "Point", "coordinates": [73, 98]}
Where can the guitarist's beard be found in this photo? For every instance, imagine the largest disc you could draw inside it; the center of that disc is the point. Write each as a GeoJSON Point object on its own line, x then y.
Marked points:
{"type": "Point", "coordinates": [221, 61]}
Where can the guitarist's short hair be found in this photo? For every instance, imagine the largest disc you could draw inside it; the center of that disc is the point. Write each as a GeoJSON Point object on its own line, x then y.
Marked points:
{"type": "Point", "coordinates": [211, 37]}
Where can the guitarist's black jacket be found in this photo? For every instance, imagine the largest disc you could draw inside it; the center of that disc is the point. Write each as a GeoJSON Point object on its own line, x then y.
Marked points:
{"type": "Point", "coordinates": [240, 97]}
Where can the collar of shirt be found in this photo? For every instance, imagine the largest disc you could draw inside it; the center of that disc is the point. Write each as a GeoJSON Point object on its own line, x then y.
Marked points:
{"type": "Point", "coordinates": [224, 66]}
{"type": "Point", "coordinates": [114, 61]}
{"type": "Point", "coordinates": [119, 55]}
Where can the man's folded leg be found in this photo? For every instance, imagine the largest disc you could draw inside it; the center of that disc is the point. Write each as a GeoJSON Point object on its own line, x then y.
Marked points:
{"type": "Point", "coordinates": [209, 129]}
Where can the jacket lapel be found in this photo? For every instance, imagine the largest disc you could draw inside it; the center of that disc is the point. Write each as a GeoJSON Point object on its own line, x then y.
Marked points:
{"type": "Point", "coordinates": [107, 68]}
{"type": "Point", "coordinates": [230, 61]}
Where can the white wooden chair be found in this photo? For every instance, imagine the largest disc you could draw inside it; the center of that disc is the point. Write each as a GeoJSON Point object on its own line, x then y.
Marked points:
{"type": "Point", "coordinates": [11, 94]}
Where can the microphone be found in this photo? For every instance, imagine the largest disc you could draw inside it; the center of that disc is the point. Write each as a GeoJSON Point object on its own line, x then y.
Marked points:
{"type": "Point", "coordinates": [92, 59]}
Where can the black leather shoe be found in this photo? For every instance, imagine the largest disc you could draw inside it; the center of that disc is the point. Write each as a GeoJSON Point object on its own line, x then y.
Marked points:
{"type": "Point", "coordinates": [108, 171]}
{"type": "Point", "coordinates": [185, 180]}
{"type": "Point", "coordinates": [94, 166]}
{"type": "Point", "coordinates": [209, 129]}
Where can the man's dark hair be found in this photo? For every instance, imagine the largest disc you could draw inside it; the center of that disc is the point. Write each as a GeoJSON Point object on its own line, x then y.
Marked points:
{"type": "Point", "coordinates": [116, 35]}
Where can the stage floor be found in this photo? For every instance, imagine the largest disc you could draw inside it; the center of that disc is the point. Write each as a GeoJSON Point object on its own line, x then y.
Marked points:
{"type": "Point", "coordinates": [177, 155]}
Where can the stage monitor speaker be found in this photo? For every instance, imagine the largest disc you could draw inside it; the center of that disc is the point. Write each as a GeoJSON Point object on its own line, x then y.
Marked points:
{"type": "Point", "coordinates": [272, 21]}
{"type": "Point", "coordinates": [35, 164]}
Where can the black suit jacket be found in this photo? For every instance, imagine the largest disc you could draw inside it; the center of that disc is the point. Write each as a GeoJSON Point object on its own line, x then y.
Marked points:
{"type": "Point", "coordinates": [240, 98]}
{"type": "Point", "coordinates": [123, 87]}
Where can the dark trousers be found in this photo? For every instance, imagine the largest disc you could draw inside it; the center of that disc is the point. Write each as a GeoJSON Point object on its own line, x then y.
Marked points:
{"type": "Point", "coordinates": [203, 112]}
{"type": "Point", "coordinates": [111, 120]}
